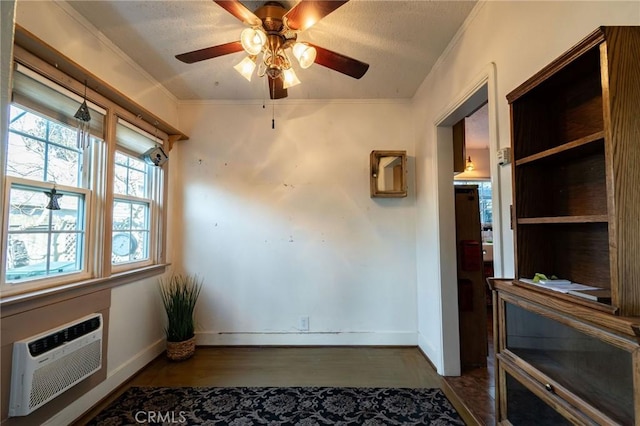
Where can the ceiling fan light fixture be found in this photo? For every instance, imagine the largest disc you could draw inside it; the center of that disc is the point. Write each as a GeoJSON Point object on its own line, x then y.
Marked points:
{"type": "Point", "coordinates": [246, 67]}
{"type": "Point", "coordinates": [305, 54]}
{"type": "Point", "coordinates": [289, 78]}
{"type": "Point", "coordinates": [253, 40]}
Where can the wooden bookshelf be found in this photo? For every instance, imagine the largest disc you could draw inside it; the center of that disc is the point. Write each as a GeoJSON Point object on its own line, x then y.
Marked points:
{"type": "Point", "coordinates": [576, 200]}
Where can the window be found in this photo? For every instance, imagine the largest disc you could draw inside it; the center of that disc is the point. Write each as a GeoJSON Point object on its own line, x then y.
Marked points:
{"type": "Point", "coordinates": [52, 233]}
{"type": "Point", "coordinates": [137, 189]}
{"type": "Point", "coordinates": [42, 242]}
{"type": "Point", "coordinates": [131, 210]}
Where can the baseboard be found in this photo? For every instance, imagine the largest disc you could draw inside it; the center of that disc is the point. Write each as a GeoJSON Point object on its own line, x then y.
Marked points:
{"type": "Point", "coordinates": [430, 353]}
{"type": "Point", "coordinates": [115, 378]}
{"type": "Point", "coordinates": [307, 339]}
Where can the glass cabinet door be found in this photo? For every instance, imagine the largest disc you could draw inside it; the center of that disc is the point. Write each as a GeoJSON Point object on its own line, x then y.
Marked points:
{"type": "Point", "coordinates": [524, 408]}
{"type": "Point", "coordinates": [596, 371]}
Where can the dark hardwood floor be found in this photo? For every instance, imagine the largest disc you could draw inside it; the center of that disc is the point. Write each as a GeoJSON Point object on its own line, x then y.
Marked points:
{"type": "Point", "coordinates": [476, 387]}
{"type": "Point", "coordinates": [301, 366]}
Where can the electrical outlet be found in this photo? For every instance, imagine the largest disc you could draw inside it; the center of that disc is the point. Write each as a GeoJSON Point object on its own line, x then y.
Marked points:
{"type": "Point", "coordinates": [304, 324]}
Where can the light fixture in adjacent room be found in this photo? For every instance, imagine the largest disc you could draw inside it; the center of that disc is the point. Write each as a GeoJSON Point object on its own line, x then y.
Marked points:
{"type": "Point", "coordinates": [470, 166]}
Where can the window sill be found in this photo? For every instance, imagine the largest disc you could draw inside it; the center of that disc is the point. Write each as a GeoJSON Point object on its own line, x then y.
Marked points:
{"type": "Point", "coordinates": [15, 303]}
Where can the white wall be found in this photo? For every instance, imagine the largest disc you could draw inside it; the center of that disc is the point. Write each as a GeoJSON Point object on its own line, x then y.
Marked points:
{"type": "Point", "coordinates": [280, 223]}
{"type": "Point", "coordinates": [520, 38]}
{"type": "Point", "coordinates": [135, 330]}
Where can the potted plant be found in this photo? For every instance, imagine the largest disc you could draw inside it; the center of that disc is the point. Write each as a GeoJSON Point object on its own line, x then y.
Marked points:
{"type": "Point", "coordinates": [179, 295]}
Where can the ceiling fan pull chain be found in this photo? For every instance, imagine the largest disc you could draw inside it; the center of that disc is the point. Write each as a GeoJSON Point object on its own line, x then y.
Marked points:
{"type": "Point", "coordinates": [273, 106]}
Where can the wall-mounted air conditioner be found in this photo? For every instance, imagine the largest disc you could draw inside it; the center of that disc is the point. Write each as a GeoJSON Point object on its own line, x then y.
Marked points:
{"type": "Point", "coordinates": [49, 363]}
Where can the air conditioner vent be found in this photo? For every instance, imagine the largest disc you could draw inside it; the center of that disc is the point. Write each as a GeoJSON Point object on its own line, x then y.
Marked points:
{"type": "Point", "coordinates": [59, 338]}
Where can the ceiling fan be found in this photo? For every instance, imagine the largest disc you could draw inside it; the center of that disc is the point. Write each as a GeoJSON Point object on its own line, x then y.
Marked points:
{"type": "Point", "coordinates": [272, 30]}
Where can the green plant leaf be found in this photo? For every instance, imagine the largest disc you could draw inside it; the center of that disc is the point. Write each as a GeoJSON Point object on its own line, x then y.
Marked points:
{"type": "Point", "coordinates": [180, 294]}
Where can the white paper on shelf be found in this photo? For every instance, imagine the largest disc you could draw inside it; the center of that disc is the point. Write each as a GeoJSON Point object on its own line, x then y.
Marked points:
{"type": "Point", "coordinates": [562, 286]}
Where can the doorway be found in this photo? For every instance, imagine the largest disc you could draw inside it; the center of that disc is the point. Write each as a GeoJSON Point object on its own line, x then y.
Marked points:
{"type": "Point", "coordinates": [479, 381]}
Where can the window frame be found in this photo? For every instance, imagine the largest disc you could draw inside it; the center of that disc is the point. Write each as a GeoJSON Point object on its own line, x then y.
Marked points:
{"type": "Point", "coordinates": [99, 197]}
{"type": "Point", "coordinates": [47, 280]}
{"type": "Point", "coordinates": [153, 214]}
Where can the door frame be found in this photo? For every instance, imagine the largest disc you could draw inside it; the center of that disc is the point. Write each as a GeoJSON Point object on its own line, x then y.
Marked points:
{"type": "Point", "coordinates": [481, 89]}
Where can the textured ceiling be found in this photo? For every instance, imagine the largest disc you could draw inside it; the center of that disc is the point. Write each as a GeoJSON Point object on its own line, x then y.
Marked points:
{"type": "Point", "coordinates": [477, 129]}
{"type": "Point", "coordinates": [401, 40]}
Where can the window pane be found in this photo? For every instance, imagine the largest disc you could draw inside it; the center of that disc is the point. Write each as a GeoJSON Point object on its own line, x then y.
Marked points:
{"type": "Point", "coordinates": [25, 157]}
{"type": "Point", "coordinates": [70, 215]}
{"type": "Point", "coordinates": [27, 210]}
{"type": "Point", "coordinates": [137, 183]}
{"type": "Point", "coordinates": [130, 176]}
{"type": "Point", "coordinates": [65, 252]}
{"type": "Point", "coordinates": [62, 135]}
{"type": "Point", "coordinates": [27, 256]}
{"type": "Point", "coordinates": [142, 250]}
{"type": "Point", "coordinates": [27, 123]}
{"type": "Point", "coordinates": [64, 165]}
{"type": "Point", "coordinates": [122, 159]}
{"type": "Point", "coordinates": [121, 216]}
{"type": "Point", "coordinates": [120, 180]}
{"type": "Point", "coordinates": [130, 241]}
{"type": "Point", "coordinates": [43, 150]}
{"type": "Point", "coordinates": [139, 216]}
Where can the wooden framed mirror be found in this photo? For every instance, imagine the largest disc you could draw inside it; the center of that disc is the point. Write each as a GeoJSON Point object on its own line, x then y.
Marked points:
{"type": "Point", "coordinates": [388, 174]}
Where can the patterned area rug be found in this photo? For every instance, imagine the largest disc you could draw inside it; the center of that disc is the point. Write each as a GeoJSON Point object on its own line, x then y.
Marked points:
{"type": "Point", "coordinates": [279, 406]}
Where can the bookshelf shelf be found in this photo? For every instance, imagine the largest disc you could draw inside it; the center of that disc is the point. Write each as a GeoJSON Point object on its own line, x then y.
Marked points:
{"type": "Point", "coordinates": [564, 219]}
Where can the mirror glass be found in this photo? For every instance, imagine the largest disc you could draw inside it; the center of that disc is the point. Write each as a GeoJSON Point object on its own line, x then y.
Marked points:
{"type": "Point", "coordinates": [389, 174]}
{"type": "Point", "coordinates": [388, 169]}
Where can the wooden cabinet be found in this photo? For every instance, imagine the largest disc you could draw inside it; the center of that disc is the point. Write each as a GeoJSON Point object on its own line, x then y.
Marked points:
{"type": "Point", "coordinates": [459, 147]}
{"type": "Point", "coordinates": [562, 363]}
{"type": "Point", "coordinates": [575, 129]}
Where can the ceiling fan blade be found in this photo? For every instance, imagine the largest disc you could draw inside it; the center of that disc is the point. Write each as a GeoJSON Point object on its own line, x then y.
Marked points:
{"type": "Point", "coordinates": [210, 52]}
{"type": "Point", "coordinates": [341, 63]}
{"type": "Point", "coordinates": [239, 10]}
{"type": "Point", "coordinates": [276, 88]}
{"type": "Point", "coordinates": [308, 12]}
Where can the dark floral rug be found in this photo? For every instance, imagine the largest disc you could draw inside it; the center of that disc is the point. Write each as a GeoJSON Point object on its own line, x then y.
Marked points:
{"type": "Point", "coordinates": [279, 406]}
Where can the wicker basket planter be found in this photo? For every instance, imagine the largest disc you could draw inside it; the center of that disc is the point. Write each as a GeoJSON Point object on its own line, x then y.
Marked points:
{"type": "Point", "coordinates": [179, 351]}
{"type": "Point", "coordinates": [179, 296]}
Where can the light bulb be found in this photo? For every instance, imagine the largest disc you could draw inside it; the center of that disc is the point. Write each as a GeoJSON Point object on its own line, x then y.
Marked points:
{"type": "Point", "coordinates": [289, 78]}
{"type": "Point", "coordinates": [246, 67]}
{"type": "Point", "coordinates": [470, 166]}
{"type": "Point", "coordinates": [253, 40]}
{"type": "Point", "coordinates": [305, 54]}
